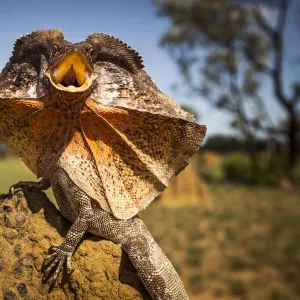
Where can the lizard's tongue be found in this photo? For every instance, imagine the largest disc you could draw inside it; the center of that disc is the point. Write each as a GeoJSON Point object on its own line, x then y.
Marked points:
{"type": "Point", "coordinates": [70, 78]}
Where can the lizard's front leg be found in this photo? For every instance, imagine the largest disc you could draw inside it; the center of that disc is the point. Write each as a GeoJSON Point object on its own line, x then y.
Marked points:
{"type": "Point", "coordinates": [65, 251]}
{"type": "Point", "coordinates": [76, 207]}
{"type": "Point", "coordinates": [44, 184]}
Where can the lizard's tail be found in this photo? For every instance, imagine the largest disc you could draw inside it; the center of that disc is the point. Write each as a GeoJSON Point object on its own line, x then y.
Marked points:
{"type": "Point", "coordinates": [154, 268]}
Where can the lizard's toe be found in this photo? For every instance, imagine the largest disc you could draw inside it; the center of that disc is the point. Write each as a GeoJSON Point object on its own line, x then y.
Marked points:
{"type": "Point", "coordinates": [69, 264]}
{"type": "Point", "coordinates": [60, 256]}
{"type": "Point", "coordinates": [39, 186]}
{"type": "Point", "coordinates": [19, 186]}
{"type": "Point", "coordinates": [58, 269]}
{"type": "Point", "coordinates": [14, 189]}
{"type": "Point", "coordinates": [50, 256]}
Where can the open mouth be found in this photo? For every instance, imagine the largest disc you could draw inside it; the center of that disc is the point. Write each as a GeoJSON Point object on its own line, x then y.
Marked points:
{"type": "Point", "coordinates": [71, 73]}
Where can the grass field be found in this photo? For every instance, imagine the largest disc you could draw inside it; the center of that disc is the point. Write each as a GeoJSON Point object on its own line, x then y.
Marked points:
{"type": "Point", "coordinates": [12, 170]}
{"type": "Point", "coordinates": [247, 246]}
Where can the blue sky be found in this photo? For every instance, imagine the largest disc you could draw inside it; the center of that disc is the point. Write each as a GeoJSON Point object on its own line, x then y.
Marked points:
{"type": "Point", "coordinates": [134, 21]}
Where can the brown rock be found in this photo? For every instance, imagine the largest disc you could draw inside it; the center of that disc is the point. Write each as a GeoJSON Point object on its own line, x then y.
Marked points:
{"type": "Point", "coordinates": [101, 270]}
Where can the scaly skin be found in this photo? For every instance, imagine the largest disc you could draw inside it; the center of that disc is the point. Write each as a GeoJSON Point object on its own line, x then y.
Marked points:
{"type": "Point", "coordinates": [89, 120]}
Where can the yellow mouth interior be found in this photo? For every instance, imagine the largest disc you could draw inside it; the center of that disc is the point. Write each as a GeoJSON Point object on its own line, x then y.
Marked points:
{"type": "Point", "coordinates": [71, 73]}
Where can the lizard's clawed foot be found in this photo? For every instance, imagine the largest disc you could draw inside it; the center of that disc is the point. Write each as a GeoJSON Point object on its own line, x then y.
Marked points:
{"type": "Point", "coordinates": [60, 256]}
{"type": "Point", "coordinates": [19, 186]}
{"type": "Point", "coordinates": [41, 185]}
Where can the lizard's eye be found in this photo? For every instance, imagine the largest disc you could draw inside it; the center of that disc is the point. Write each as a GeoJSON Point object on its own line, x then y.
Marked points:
{"type": "Point", "coordinates": [56, 48]}
{"type": "Point", "coordinates": [91, 52]}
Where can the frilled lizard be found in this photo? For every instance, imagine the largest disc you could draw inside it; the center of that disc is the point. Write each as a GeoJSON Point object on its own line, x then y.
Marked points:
{"type": "Point", "coordinates": [88, 119]}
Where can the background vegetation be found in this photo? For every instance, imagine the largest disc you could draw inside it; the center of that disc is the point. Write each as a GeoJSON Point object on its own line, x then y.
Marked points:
{"type": "Point", "coordinates": [235, 54]}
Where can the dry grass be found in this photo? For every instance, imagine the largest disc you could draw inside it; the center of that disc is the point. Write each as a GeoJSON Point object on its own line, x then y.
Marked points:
{"type": "Point", "coordinates": [246, 247]}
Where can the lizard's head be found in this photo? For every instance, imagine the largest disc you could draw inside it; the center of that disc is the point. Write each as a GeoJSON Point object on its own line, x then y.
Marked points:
{"type": "Point", "coordinates": [44, 62]}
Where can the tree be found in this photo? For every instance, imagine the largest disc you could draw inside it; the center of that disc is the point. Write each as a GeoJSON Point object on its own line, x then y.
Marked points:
{"type": "Point", "coordinates": [226, 49]}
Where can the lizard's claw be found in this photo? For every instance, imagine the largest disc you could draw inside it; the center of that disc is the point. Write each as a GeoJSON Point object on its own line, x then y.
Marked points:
{"type": "Point", "coordinates": [14, 189]}
{"type": "Point", "coordinates": [60, 256]}
{"type": "Point", "coordinates": [19, 186]}
{"type": "Point", "coordinates": [40, 185]}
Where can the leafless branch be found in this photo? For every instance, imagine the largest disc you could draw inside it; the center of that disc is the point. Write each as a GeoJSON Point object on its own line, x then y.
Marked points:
{"type": "Point", "coordinates": [278, 55]}
{"type": "Point", "coordinates": [257, 64]}
{"type": "Point", "coordinates": [262, 23]}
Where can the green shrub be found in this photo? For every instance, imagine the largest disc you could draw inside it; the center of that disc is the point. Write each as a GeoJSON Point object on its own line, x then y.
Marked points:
{"type": "Point", "coordinates": [237, 167]}
{"type": "Point", "coordinates": [278, 295]}
{"type": "Point", "coordinates": [196, 282]}
{"type": "Point", "coordinates": [237, 263]}
{"type": "Point", "coordinates": [231, 234]}
{"type": "Point", "coordinates": [195, 235]}
{"type": "Point", "coordinates": [295, 173]}
{"type": "Point", "coordinates": [237, 287]}
{"type": "Point", "coordinates": [241, 168]}
{"type": "Point", "coordinates": [194, 256]}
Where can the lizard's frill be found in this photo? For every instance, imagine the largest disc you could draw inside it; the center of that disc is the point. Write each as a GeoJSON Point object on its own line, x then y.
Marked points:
{"type": "Point", "coordinates": [125, 158]}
